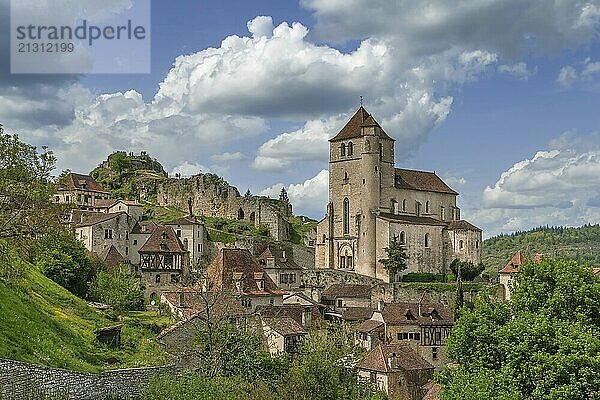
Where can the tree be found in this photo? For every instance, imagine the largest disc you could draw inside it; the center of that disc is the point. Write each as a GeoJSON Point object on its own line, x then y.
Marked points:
{"type": "Point", "coordinates": [119, 162]}
{"type": "Point", "coordinates": [396, 257]}
{"type": "Point", "coordinates": [25, 190]}
{"type": "Point", "coordinates": [64, 259]}
{"type": "Point", "coordinates": [543, 344]}
{"type": "Point", "coordinates": [468, 270]}
{"type": "Point", "coordinates": [119, 289]}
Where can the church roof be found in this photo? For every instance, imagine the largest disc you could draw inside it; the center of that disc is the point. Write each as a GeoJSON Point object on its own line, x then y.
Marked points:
{"type": "Point", "coordinates": [421, 180]}
{"type": "Point", "coordinates": [411, 219]}
{"type": "Point", "coordinates": [352, 129]}
{"type": "Point", "coordinates": [462, 225]}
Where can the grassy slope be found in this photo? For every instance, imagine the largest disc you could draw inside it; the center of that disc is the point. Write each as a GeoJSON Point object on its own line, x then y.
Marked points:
{"type": "Point", "coordinates": [41, 322]}
{"type": "Point", "coordinates": [581, 244]}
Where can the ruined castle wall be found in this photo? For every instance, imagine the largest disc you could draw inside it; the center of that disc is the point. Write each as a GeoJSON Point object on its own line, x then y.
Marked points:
{"type": "Point", "coordinates": [20, 380]}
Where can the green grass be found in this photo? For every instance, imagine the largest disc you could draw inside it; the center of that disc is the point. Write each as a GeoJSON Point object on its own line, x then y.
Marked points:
{"type": "Point", "coordinates": [161, 214]}
{"type": "Point", "coordinates": [43, 323]}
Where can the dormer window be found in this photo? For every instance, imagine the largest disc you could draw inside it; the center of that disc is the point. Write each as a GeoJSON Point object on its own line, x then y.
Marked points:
{"type": "Point", "coordinates": [409, 315]}
{"type": "Point", "coordinates": [164, 235]}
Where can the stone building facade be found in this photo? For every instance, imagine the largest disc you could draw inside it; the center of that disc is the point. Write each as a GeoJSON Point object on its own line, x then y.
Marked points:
{"type": "Point", "coordinates": [192, 234]}
{"type": "Point", "coordinates": [99, 231]}
{"type": "Point", "coordinates": [371, 202]}
{"type": "Point", "coordinates": [206, 194]}
{"type": "Point", "coordinates": [82, 191]}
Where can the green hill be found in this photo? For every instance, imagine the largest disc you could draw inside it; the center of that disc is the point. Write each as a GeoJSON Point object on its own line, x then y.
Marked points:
{"type": "Point", "coordinates": [581, 244]}
{"type": "Point", "coordinates": [43, 323]}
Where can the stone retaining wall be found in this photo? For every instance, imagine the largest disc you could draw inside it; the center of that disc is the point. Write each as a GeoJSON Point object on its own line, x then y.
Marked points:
{"type": "Point", "coordinates": [19, 380]}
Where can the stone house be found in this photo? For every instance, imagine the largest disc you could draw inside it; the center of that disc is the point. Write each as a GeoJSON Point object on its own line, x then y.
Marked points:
{"type": "Point", "coordinates": [99, 231]}
{"type": "Point", "coordinates": [282, 334]}
{"type": "Point", "coordinates": [139, 235]}
{"type": "Point", "coordinates": [397, 370]}
{"type": "Point", "coordinates": [371, 202]}
{"type": "Point", "coordinates": [207, 194]}
{"type": "Point", "coordinates": [369, 334]}
{"type": "Point", "coordinates": [509, 272]}
{"type": "Point", "coordinates": [238, 271]}
{"type": "Point", "coordinates": [424, 326]}
{"type": "Point", "coordinates": [134, 209]}
{"type": "Point", "coordinates": [163, 262]}
{"type": "Point", "coordinates": [82, 191]}
{"type": "Point", "coordinates": [192, 234]}
{"type": "Point", "coordinates": [282, 269]}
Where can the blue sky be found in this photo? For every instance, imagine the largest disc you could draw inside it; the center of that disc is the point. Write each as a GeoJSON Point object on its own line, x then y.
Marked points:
{"type": "Point", "coordinates": [500, 98]}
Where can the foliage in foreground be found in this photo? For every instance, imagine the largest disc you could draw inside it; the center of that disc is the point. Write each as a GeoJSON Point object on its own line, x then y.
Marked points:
{"type": "Point", "coordinates": [544, 344]}
{"type": "Point", "coordinates": [121, 290]}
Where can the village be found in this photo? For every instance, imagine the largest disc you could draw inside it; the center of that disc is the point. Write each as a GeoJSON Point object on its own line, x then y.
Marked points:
{"type": "Point", "coordinates": [283, 290]}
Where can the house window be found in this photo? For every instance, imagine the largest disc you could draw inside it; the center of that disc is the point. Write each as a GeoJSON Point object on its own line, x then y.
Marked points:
{"type": "Point", "coordinates": [339, 303]}
{"type": "Point", "coordinates": [178, 232]}
{"type": "Point", "coordinates": [461, 244]}
{"type": "Point", "coordinates": [350, 148]}
{"type": "Point", "coordinates": [404, 205]}
{"type": "Point", "coordinates": [185, 243]}
{"type": "Point", "coordinates": [342, 149]}
{"type": "Point", "coordinates": [417, 209]}
{"type": "Point", "coordinates": [134, 242]}
{"type": "Point", "coordinates": [442, 213]}
{"type": "Point", "coordinates": [169, 260]}
{"type": "Point", "coordinates": [346, 216]}
{"type": "Point", "coordinates": [427, 240]}
{"type": "Point", "coordinates": [402, 237]}
{"type": "Point", "coordinates": [323, 239]}
{"type": "Point", "coordinates": [157, 278]}
{"type": "Point", "coordinates": [394, 206]}
{"type": "Point", "coordinates": [427, 205]}
{"type": "Point", "coordinates": [200, 247]}
{"type": "Point", "coordinates": [477, 244]}
{"type": "Point", "coordinates": [434, 353]}
{"type": "Point", "coordinates": [346, 179]}
{"type": "Point", "coordinates": [108, 234]}
{"type": "Point", "coordinates": [247, 303]}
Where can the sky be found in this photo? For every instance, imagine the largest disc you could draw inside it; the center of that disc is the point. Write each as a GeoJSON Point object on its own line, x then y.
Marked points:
{"type": "Point", "coordinates": [501, 98]}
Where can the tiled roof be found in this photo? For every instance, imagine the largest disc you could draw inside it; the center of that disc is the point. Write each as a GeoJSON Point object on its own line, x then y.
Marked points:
{"type": "Point", "coordinates": [353, 314]}
{"type": "Point", "coordinates": [82, 182]}
{"type": "Point", "coordinates": [513, 265]}
{"type": "Point", "coordinates": [163, 240]}
{"type": "Point", "coordinates": [232, 265]}
{"type": "Point", "coordinates": [462, 225]}
{"type": "Point", "coordinates": [421, 180]}
{"type": "Point", "coordinates": [89, 219]}
{"type": "Point", "coordinates": [111, 257]}
{"type": "Point", "coordinates": [195, 302]}
{"type": "Point", "coordinates": [352, 129]}
{"type": "Point", "coordinates": [408, 314]}
{"type": "Point", "coordinates": [143, 227]}
{"type": "Point", "coordinates": [347, 290]}
{"type": "Point", "coordinates": [403, 356]}
{"type": "Point", "coordinates": [282, 259]}
{"type": "Point", "coordinates": [411, 219]}
{"type": "Point", "coordinates": [184, 221]}
{"type": "Point", "coordinates": [293, 311]}
{"type": "Point", "coordinates": [302, 296]}
{"type": "Point", "coordinates": [105, 203]}
{"type": "Point", "coordinates": [285, 326]}
{"type": "Point", "coordinates": [370, 326]}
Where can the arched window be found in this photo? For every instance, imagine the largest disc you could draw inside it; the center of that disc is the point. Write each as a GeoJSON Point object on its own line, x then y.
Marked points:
{"type": "Point", "coordinates": [402, 237]}
{"type": "Point", "coordinates": [461, 244]}
{"type": "Point", "coordinates": [427, 240]}
{"type": "Point", "coordinates": [350, 148]}
{"type": "Point", "coordinates": [346, 216]}
{"type": "Point", "coordinates": [404, 205]}
{"type": "Point", "coordinates": [427, 207]}
{"type": "Point", "coordinates": [394, 206]}
{"type": "Point", "coordinates": [342, 149]}
{"type": "Point", "coordinates": [240, 213]}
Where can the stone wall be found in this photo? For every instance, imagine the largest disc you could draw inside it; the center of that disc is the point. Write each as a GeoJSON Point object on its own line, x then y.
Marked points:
{"type": "Point", "coordinates": [19, 379]}
{"type": "Point", "coordinates": [217, 199]}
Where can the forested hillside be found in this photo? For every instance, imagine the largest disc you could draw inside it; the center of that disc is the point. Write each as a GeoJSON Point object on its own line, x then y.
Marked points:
{"type": "Point", "coordinates": [581, 244]}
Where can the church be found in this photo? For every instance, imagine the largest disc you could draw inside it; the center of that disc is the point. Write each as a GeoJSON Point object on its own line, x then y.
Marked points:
{"type": "Point", "coordinates": [371, 202]}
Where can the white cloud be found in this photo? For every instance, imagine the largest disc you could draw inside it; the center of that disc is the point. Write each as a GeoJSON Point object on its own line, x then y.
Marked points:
{"type": "Point", "coordinates": [518, 71]}
{"type": "Point", "coordinates": [567, 76]}
{"type": "Point", "coordinates": [556, 186]}
{"type": "Point", "coordinates": [227, 157]}
{"type": "Point", "coordinates": [187, 169]}
{"type": "Point", "coordinates": [308, 198]}
{"type": "Point", "coordinates": [588, 71]}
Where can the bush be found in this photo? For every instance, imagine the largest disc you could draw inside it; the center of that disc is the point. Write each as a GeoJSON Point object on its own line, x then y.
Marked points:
{"type": "Point", "coordinates": [468, 271]}
{"type": "Point", "coordinates": [122, 291]}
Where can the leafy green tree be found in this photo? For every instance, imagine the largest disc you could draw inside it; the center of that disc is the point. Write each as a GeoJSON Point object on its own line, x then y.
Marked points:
{"type": "Point", "coordinates": [468, 270]}
{"type": "Point", "coordinates": [543, 344]}
{"type": "Point", "coordinates": [396, 257]}
{"type": "Point", "coordinates": [26, 188]}
{"type": "Point", "coordinates": [119, 162]}
{"type": "Point", "coordinates": [119, 289]}
{"type": "Point", "coordinates": [64, 259]}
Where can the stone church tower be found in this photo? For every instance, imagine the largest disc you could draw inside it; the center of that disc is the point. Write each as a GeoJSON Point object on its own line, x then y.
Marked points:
{"type": "Point", "coordinates": [371, 201]}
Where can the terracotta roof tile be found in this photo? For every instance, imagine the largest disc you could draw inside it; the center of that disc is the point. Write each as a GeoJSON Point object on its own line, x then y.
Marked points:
{"type": "Point", "coordinates": [285, 326]}
{"type": "Point", "coordinates": [421, 180]}
{"type": "Point", "coordinates": [347, 290]}
{"type": "Point", "coordinates": [112, 257]}
{"type": "Point", "coordinates": [82, 182]}
{"type": "Point", "coordinates": [294, 311]}
{"type": "Point", "coordinates": [281, 258]}
{"type": "Point", "coordinates": [163, 240]}
{"type": "Point", "coordinates": [513, 265]}
{"type": "Point", "coordinates": [408, 314]}
{"type": "Point", "coordinates": [352, 128]}
{"type": "Point", "coordinates": [370, 326]}
{"type": "Point", "coordinates": [403, 356]}
{"type": "Point", "coordinates": [184, 221]}
{"type": "Point", "coordinates": [353, 314]}
{"type": "Point", "coordinates": [144, 227]}
{"type": "Point", "coordinates": [89, 219]}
